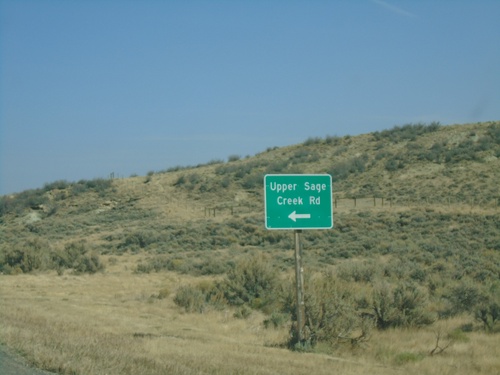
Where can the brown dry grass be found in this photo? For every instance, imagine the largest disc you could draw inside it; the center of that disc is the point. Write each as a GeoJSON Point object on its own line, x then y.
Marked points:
{"type": "Point", "coordinates": [112, 323]}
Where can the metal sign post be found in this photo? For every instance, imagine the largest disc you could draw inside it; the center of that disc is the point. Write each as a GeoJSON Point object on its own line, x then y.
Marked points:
{"type": "Point", "coordinates": [298, 201]}
{"type": "Point", "coordinates": [299, 286]}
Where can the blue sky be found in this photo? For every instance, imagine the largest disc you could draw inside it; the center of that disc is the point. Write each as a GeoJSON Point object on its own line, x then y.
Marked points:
{"type": "Point", "coordinates": [92, 87]}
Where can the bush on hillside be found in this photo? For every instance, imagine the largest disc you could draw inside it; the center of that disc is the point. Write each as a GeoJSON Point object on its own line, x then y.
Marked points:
{"type": "Point", "coordinates": [37, 254]}
{"type": "Point", "coordinates": [358, 271]}
{"type": "Point", "coordinates": [494, 133]}
{"type": "Point", "coordinates": [331, 313]}
{"type": "Point", "coordinates": [139, 239]}
{"type": "Point", "coordinates": [253, 281]}
{"type": "Point", "coordinates": [200, 297]}
{"type": "Point", "coordinates": [190, 298]}
{"type": "Point", "coordinates": [99, 185]}
{"type": "Point", "coordinates": [464, 297]}
{"type": "Point", "coordinates": [304, 155]}
{"type": "Point", "coordinates": [333, 140]}
{"type": "Point", "coordinates": [394, 163]}
{"type": "Point", "coordinates": [88, 263]}
{"type": "Point", "coordinates": [488, 313]}
{"type": "Point", "coordinates": [312, 141]}
{"type": "Point", "coordinates": [78, 257]}
{"type": "Point", "coordinates": [482, 302]}
{"type": "Point", "coordinates": [19, 202]}
{"type": "Point", "coordinates": [24, 257]}
{"type": "Point", "coordinates": [252, 181]}
{"type": "Point", "coordinates": [408, 132]}
{"type": "Point", "coordinates": [342, 170]}
{"type": "Point", "coordinates": [36, 198]}
{"type": "Point", "coordinates": [404, 306]}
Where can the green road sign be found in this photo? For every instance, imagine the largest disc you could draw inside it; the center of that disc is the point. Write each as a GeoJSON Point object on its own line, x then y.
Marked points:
{"type": "Point", "coordinates": [298, 201]}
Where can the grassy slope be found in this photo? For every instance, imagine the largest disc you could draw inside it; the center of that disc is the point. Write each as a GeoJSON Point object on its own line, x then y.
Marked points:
{"type": "Point", "coordinates": [112, 323]}
{"type": "Point", "coordinates": [425, 201]}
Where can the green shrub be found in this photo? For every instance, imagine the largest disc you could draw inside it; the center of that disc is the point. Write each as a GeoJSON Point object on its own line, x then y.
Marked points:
{"type": "Point", "coordinates": [212, 266]}
{"type": "Point", "coordinates": [88, 263]}
{"type": "Point", "coordinates": [252, 278]}
{"type": "Point", "coordinates": [279, 166]}
{"type": "Point", "coordinates": [277, 320]}
{"type": "Point", "coordinates": [435, 153]}
{"type": "Point", "coordinates": [190, 298]}
{"type": "Point", "coordinates": [57, 185]}
{"type": "Point", "coordinates": [358, 271]}
{"type": "Point", "coordinates": [464, 297]}
{"type": "Point", "coordinates": [312, 141]}
{"type": "Point", "coordinates": [19, 202]}
{"type": "Point", "coordinates": [69, 258]}
{"type": "Point", "coordinates": [494, 133]}
{"type": "Point", "coordinates": [383, 307]}
{"type": "Point", "coordinates": [303, 155]}
{"type": "Point", "coordinates": [252, 181]}
{"type": "Point", "coordinates": [27, 258]}
{"type": "Point", "coordinates": [181, 181]}
{"type": "Point", "coordinates": [37, 254]}
{"type": "Point", "coordinates": [408, 132]}
{"type": "Point", "coordinates": [141, 239]}
{"type": "Point", "coordinates": [333, 140]}
{"type": "Point", "coordinates": [243, 312]}
{"type": "Point", "coordinates": [198, 298]}
{"type": "Point", "coordinates": [465, 151]}
{"type": "Point", "coordinates": [342, 170]}
{"type": "Point", "coordinates": [5, 205]}
{"type": "Point", "coordinates": [488, 310]}
{"type": "Point", "coordinates": [488, 313]}
{"type": "Point", "coordinates": [411, 303]}
{"type": "Point", "coordinates": [404, 306]}
{"type": "Point", "coordinates": [215, 161]}
{"type": "Point", "coordinates": [76, 256]}
{"type": "Point", "coordinates": [189, 181]}
{"type": "Point", "coordinates": [99, 185]}
{"type": "Point", "coordinates": [330, 312]}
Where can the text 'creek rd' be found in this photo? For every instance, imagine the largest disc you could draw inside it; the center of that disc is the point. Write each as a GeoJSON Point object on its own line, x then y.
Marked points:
{"type": "Point", "coordinates": [298, 201]}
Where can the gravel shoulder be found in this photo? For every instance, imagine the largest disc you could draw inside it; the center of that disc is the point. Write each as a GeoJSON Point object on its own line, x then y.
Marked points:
{"type": "Point", "coordinates": [13, 364]}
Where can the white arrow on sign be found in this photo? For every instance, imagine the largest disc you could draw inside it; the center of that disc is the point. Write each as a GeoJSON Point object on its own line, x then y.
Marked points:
{"type": "Point", "coordinates": [294, 216]}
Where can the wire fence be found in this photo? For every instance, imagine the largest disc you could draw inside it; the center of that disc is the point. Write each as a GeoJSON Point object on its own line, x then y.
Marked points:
{"type": "Point", "coordinates": [416, 201]}
{"type": "Point", "coordinates": [368, 203]}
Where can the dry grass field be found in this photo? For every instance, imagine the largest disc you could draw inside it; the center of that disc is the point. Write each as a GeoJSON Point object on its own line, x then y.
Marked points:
{"type": "Point", "coordinates": [114, 323]}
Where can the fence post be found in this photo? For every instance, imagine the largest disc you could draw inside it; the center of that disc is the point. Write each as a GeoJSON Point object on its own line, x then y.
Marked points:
{"type": "Point", "coordinates": [354, 202]}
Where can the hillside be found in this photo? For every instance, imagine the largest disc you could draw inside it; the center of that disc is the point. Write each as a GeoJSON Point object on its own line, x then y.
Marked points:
{"type": "Point", "coordinates": [451, 168]}
{"type": "Point", "coordinates": [406, 181]}
{"type": "Point", "coordinates": [416, 229]}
